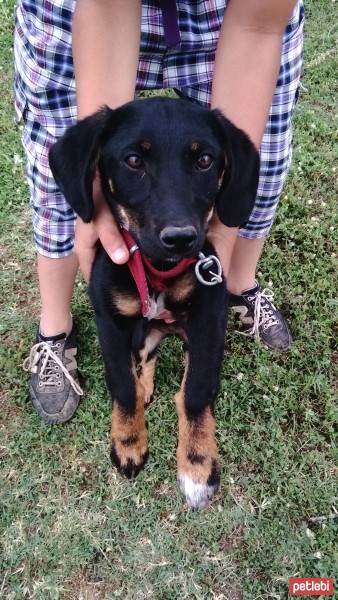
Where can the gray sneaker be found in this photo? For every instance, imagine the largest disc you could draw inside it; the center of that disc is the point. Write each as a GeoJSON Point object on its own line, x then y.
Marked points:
{"type": "Point", "coordinates": [260, 318]}
{"type": "Point", "coordinates": [54, 388]}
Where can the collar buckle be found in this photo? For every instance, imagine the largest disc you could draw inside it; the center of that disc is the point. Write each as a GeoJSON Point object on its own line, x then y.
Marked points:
{"type": "Point", "coordinates": [206, 263]}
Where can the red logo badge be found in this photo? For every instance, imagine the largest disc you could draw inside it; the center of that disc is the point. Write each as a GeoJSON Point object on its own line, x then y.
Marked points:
{"type": "Point", "coordinates": [311, 586]}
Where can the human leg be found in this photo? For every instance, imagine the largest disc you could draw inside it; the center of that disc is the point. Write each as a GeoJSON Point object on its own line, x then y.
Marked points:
{"type": "Point", "coordinates": [56, 281]}
{"type": "Point", "coordinates": [54, 388]}
{"type": "Point", "coordinates": [45, 105]}
{"type": "Point", "coordinates": [247, 299]}
{"type": "Point", "coordinates": [239, 258]}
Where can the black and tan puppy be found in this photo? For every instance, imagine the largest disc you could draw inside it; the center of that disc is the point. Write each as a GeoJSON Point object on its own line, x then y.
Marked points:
{"type": "Point", "coordinates": [165, 165]}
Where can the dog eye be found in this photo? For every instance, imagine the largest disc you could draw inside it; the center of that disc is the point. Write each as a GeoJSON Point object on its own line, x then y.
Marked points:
{"type": "Point", "coordinates": [134, 161]}
{"type": "Point", "coordinates": [204, 162]}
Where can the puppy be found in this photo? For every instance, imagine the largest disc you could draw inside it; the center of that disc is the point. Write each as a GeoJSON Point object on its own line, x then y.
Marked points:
{"type": "Point", "coordinates": [165, 165]}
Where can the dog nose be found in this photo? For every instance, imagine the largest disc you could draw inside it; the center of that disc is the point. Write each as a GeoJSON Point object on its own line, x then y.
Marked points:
{"type": "Point", "coordinates": [178, 238]}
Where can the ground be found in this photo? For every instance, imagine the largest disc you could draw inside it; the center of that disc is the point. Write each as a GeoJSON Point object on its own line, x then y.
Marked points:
{"type": "Point", "coordinates": [72, 528]}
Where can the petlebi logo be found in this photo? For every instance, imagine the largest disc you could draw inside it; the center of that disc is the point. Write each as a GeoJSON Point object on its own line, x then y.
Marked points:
{"type": "Point", "coordinates": [311, 586]}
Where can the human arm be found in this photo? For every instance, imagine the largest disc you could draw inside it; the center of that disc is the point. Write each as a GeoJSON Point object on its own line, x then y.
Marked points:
{"type": "Point", "coordinates": [106, 39]}
{"type": "Point", "coordinates": [248, 61]}
{"type": "Point", "coordinates": [245, 75]}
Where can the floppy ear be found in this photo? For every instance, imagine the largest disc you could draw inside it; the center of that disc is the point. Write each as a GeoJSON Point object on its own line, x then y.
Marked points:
{"type": "Point", "coordinates": [238, 190]}
{"type": "Point", "coordinates": [73, 160]}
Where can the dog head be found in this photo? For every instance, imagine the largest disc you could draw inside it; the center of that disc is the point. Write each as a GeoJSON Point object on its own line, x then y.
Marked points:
{"type": "Point", "coordinates": [164, 164]}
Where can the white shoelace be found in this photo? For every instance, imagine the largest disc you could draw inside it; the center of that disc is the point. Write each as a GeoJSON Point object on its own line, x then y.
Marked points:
{"type": "Point", "coordinates": [43, 351]}
{"type": "Point", "coordinates": [263, 316]}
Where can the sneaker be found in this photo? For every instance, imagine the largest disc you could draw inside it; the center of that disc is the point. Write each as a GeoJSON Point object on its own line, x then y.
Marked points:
{"type": "Point", "coordinates": [54, 388]}
{"type": "Point", "coordinates": [260, 318]}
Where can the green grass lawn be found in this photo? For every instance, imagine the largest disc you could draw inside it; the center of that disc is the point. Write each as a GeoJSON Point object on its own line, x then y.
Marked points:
{"type": "Point", "coordinates": [72, 528]}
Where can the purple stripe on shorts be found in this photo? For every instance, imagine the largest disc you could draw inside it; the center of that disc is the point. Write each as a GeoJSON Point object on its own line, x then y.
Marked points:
{"type": "Point", "coordinates": [170, 23]}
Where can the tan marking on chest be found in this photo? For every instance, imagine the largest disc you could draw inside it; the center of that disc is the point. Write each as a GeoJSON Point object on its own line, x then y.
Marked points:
{"type": "Point", "coordinates": [127, 304]}
{"type": "Point", "coordinates": [182, 288]}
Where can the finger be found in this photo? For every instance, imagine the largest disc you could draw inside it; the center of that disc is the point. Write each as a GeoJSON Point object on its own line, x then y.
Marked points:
{"type": "Point", "coordinates": [85, 246]}
{"type": "Point", "coordinates": [109, 234]}
{"type": "Point", "coordinates": [86, 259]}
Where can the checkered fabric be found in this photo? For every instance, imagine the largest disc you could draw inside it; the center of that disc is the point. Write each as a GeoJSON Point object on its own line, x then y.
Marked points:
{"type": "Point", "coordinates": [46, 104]}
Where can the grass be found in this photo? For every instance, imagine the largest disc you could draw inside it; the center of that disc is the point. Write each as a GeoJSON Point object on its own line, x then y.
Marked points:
{"type": "Point", "coordinates": [71, 527]}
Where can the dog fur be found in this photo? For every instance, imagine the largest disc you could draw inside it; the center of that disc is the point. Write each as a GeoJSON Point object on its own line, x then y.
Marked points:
{"type": "Point", "coordinates": [163, 163]}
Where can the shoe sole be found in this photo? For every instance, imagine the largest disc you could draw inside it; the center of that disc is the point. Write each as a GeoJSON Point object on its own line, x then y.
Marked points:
{"type": "Point", "coordinates": [58, 418]}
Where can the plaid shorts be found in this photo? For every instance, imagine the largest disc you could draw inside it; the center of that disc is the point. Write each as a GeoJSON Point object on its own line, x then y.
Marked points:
{"type": "Point", "coordinates": [45, 99]}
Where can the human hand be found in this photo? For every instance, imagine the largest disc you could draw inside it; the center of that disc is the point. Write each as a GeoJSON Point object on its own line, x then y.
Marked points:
{"type": "Point", "coordinates": [104, 228]}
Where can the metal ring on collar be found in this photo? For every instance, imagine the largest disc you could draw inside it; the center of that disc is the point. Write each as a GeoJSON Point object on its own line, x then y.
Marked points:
{"type": "Point", "coordinates": [205, 263]}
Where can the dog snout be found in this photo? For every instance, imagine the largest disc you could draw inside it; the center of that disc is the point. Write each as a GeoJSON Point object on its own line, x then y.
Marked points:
{"type": "Point", "coordinates": [178, 239]}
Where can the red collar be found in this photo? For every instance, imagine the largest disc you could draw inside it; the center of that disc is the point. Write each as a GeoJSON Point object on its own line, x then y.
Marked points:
{"type": "Point", "coordinates": [143, 272]}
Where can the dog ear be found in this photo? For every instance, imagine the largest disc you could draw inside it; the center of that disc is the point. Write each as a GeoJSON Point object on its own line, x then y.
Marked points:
{"type": "Point", "coordinates": [238, 186]}
{"type": "Point", "coordinates": [73, 160]}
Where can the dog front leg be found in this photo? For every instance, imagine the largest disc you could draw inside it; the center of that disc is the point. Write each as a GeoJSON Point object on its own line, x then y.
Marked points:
{"type": "Point", "coordinates": [197, 456]}
{"type": "Point", "coordinates": [129, 447]}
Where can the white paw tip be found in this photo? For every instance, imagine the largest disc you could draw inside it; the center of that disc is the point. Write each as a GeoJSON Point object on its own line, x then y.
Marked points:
{"type": "Point", "coordinates": [197, 495]}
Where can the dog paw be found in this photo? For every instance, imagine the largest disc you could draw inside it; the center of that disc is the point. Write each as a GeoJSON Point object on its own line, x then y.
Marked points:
{"type": "Point", "coordinates": [130, 454]}
{"type": "Point", "coordinates": [197, 492]}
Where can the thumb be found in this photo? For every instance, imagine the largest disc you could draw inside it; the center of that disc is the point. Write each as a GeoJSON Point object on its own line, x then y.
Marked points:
{"type": "Point", "coordinates": [109, 234]}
